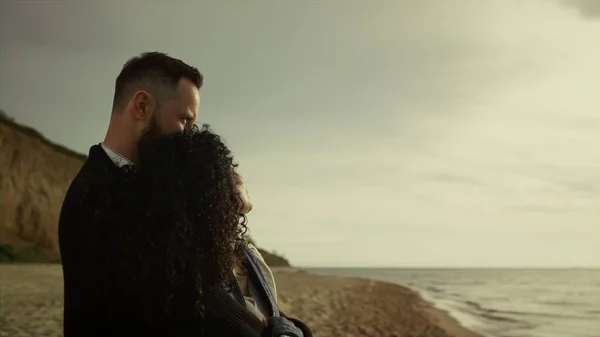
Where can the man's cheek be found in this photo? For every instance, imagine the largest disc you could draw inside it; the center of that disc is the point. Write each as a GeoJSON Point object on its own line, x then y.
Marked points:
{"type": "Point", "coordinates": [171, 127]}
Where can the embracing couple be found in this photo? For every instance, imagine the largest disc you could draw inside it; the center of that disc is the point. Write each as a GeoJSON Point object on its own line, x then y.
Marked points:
{"type": "Point", "coordinates": [152, 228]}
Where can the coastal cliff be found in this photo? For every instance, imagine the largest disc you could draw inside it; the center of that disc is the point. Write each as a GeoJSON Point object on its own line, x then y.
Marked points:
{"type": "Point", "coordinates": [34, 176]}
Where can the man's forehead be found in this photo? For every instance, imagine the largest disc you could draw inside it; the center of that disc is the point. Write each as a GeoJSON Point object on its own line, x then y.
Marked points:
{"type": "Point", "coordinates": [188, 95]}
{"type": "Point", "coordinates": [188, 87]}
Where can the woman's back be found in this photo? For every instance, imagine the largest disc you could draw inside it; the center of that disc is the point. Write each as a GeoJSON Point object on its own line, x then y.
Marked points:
{"type": "Point", "coordinates": [166, 231]}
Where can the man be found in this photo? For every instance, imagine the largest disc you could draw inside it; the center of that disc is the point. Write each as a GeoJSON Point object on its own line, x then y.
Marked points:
{"type": "Point", "coordinates": [154, 93]}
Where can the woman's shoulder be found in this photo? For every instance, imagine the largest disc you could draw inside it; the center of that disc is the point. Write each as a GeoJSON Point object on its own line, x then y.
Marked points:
{"type": "Point", "coordinates": [252, 248]}
{"type": "Point", "coordinates": [264, 268]}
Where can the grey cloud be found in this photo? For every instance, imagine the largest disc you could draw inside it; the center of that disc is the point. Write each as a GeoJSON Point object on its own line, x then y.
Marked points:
{"type": "Point", "coordinates": [587, 8]}
{"type": "Point", "coordinates": [539, 209]}
{"type": "Point", "coordinates": [586, 188]}
{"type": "Point", "coordinates": [454, 178]}
{"type": "Point", "coordinates": [565, 181]}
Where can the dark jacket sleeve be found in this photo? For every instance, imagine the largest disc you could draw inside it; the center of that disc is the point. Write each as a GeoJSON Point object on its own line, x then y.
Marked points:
{"type": "Point", "coordinates": [299, 324]}
{"type": "Point", "coordinates": [71, 236]}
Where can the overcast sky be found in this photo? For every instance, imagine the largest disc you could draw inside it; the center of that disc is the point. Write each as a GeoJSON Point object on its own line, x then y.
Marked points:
{"type": "Point", "coordinates": [370, 133]}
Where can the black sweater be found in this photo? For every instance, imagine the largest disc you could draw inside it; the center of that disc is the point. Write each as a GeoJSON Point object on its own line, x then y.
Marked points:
{"type": "Point", "coordinates": [95, 301]}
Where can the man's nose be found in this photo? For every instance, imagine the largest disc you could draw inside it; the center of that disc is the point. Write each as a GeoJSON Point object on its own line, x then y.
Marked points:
{"type": "Point", "coordinates": [187, 126]}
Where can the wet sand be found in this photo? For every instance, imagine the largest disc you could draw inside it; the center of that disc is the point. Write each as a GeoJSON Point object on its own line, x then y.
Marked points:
{"type": "Point", "coordinates": [31, 305]}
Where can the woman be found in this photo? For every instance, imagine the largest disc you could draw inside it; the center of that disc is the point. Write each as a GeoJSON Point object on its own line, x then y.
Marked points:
{"type": "Point", "coordinates": [176, 236]}
{"type": "Point", "coordinates": [259, 292]}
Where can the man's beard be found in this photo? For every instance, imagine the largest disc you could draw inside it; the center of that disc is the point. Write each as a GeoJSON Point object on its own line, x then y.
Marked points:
{"type": "Point", "coordinates": [152, 134]}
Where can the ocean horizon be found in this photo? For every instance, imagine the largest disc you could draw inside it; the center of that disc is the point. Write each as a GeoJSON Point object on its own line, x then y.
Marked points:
{"type": "Point", "coordinates": [503, 302]}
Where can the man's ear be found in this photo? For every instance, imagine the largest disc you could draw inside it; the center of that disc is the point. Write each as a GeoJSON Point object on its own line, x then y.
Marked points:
{"type": "Point", "coordinates": [143, 104]}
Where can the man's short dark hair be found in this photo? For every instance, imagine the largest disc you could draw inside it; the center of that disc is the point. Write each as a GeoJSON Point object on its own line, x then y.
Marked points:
{"type": "Point", "coordinates": [155, 72]}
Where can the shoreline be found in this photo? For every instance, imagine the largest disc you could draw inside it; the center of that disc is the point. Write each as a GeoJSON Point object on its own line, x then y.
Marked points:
{"type": "Point", "coordinates": [332, 306]}
{"type": "Point", "coordinates": [351, 306]}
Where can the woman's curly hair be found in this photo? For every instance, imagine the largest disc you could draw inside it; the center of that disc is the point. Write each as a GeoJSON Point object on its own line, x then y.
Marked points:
{"type": "Point", "coordinates": [172, 222]}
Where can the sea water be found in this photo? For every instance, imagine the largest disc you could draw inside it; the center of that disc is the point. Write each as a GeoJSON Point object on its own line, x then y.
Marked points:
{"type": "Point", "coordinates": [505, 302]}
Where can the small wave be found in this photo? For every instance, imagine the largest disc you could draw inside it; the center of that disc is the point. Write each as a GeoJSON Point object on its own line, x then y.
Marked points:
{"type": "Point", "coordinates": [442, 293]}
{"type": "Point", "coordinates": [562, 303]}
{"type": "Point", "coordinates": [498, 315]}
{"type": "Point", "coordinates": [490, 313]}
{"type": "Point", "coordinates": [435, 290]}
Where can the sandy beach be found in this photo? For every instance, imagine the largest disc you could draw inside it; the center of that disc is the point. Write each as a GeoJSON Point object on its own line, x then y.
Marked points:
{"type": "Point", "coordinates": [343, 306]}
{"type": "Point", "coordinates": [31, 305]}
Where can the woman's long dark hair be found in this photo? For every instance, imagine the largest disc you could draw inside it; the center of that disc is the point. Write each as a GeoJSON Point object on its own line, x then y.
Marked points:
{"type": "Point", "coordinates": [173, 221]}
